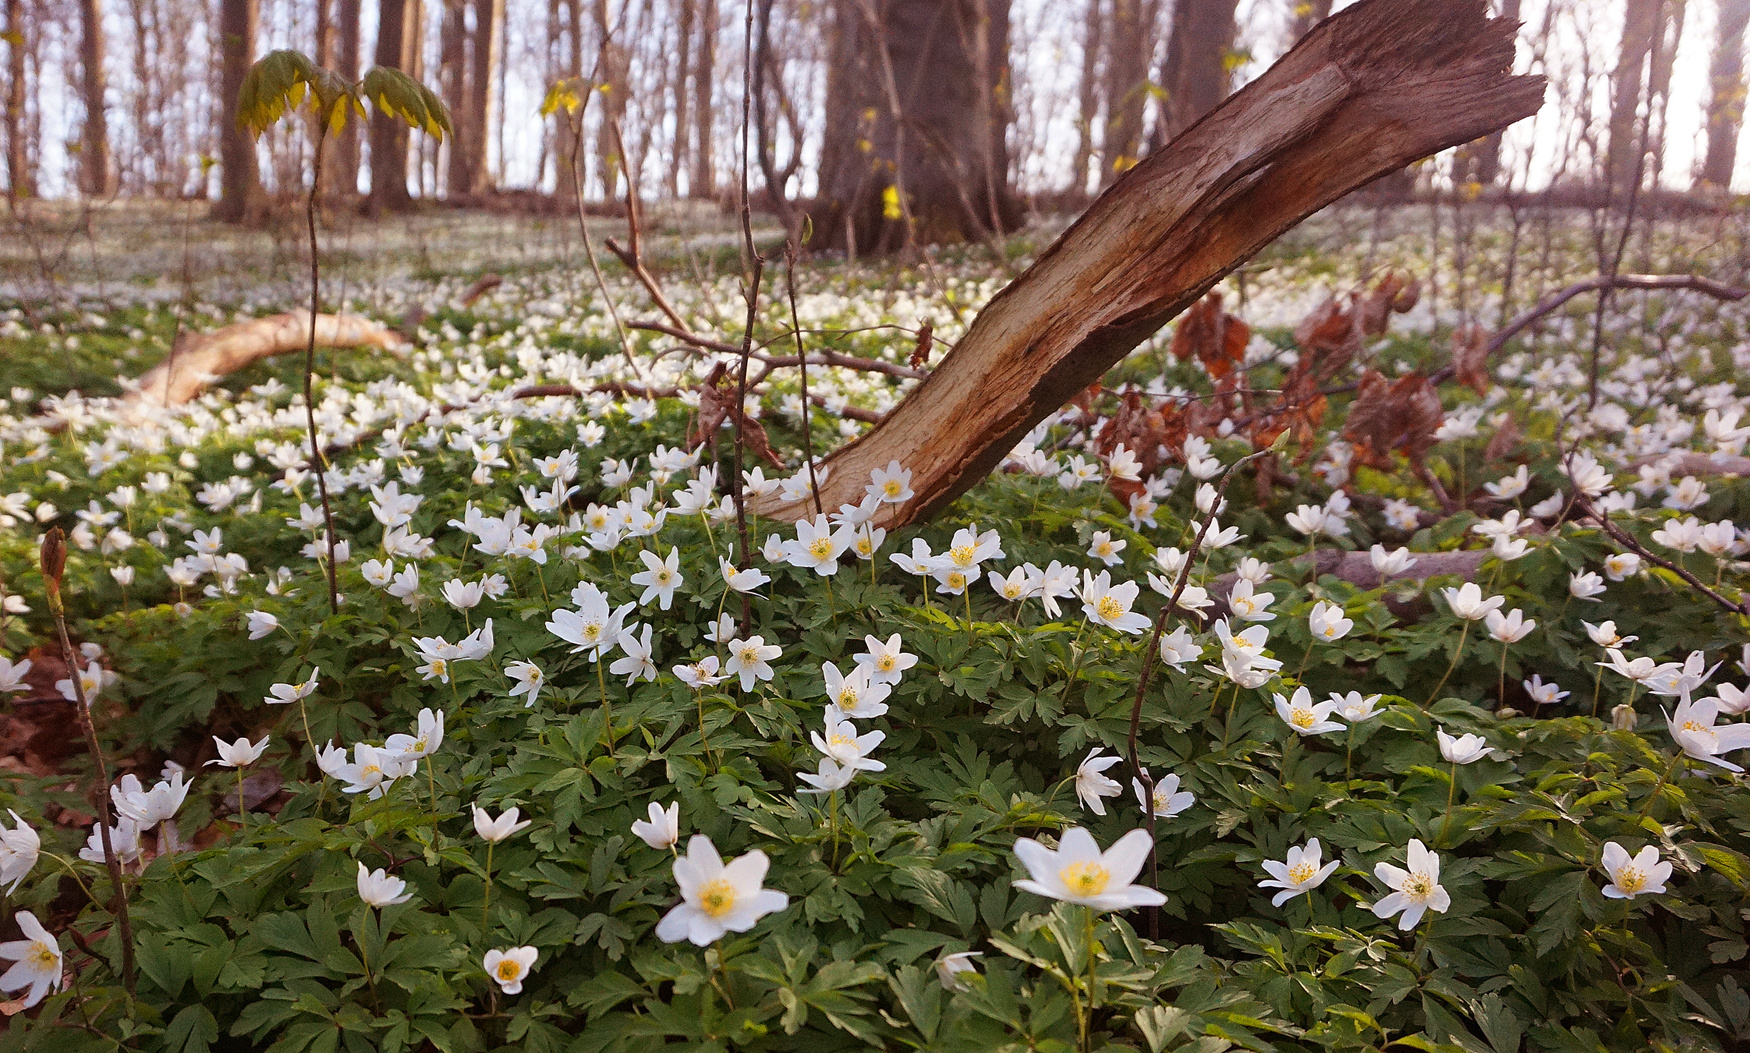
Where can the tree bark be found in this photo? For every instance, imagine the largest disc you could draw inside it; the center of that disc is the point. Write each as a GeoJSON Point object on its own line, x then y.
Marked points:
{"type": "Point", "coordinates": [240, 194]}
{"type": "Point", "coordinates": [20, 175]}
{"type": "Point", "coordinates": [1195, 74]}
{"type": "Point", "coordinates": [1128, 52]}
{"type": "Point", "coordinates": [1642, 20]}
{"type": "Point", "coordinates": [346, 63]}
{"type": "Point", "coordinates": [96, 170]}
{"type": "Point", "coordinates": [613, 71]}
{"type": "Point", "coordinates": [1093, 45]}
{"type": "Point", "coordinates": [397, 41]}
{"type": "Point", "coordinates": [483, 68]}
{"type": "Point", "coordinates": [677, 160]}
{"type": "Point", "coordinates": [453, 86]}
{"type": "Point", "coordinates": [1725, 107]}
{"type": "Point", "coordinates": [933, 157]}
{"type": "Point", "coordinates": [702, 183]}
{"type": "Point", "coordinates": [566, 144]}
{"type": "Point", "coordinates": [1487, 151]}
{"type": "Point", "coordinates": [1379, 85]}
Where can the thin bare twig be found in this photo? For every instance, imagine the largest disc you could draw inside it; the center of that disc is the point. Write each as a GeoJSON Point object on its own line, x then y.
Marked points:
{"type": "Point", "coordinates": [1633, 544]}
{"type": "Point", "coordinates": [801, 355]}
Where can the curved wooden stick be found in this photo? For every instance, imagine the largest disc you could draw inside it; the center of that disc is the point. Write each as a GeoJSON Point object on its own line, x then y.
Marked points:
{"type": "Point", "coordinates": [1380, 85]}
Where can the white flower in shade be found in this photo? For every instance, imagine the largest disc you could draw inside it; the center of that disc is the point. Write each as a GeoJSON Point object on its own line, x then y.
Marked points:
{"type": "Point", "coordinates": [1467, 601]}
{"type": "Point", "coordinates": [1078, 872]}
{"type": "Point", "coordinates": [1621, 565]}
{"type": "Point", "coordinates": [949, 967]}
{"type": "Point", "coordinates": [1674, 678]}
{"type": "Point", "coordinates": [741, 580]}
{"type": "Point", "coordinates": [1109, 604]}
{"type": "Point", "coordinates": [751, 659]}
{"type": "Point", "coordinates": [1588, 476]}
{"type": "Point", "coordinates": [1327, 621]}
{"type": "Point", "coordinates": [1300, 872]}
{"type": "Point", "coordinates": [428, 735]}
{"type": "Point", "coordinates": [1180, 647]}
{"type": "Point", "coordinates": [284, 694]}
{"type": "Point", "coordinates": [1605, 635]}
{"type": "Point", "coordinates": [1511, 627]}
{"type": "Point", "coordinates": [149, 807]}
{"type": "Point", "coordinates": [1543, 693]}
{"type": "Point", "coordinates": [1305, 716]}
{"type": "Point", "coordinates": [91, 681]}
{"type": "Point", "coordinates": [529, 680]}
{"type": "Point", "coordinates": [817, 546]}
{"type": "Point", "coordinates": [699, 675]}
{"type": "Point", "coordinates": [842, 743]}
{"type": "Point", "coordinates": [124, 839]}
{"type": "Point", "coordinates": [510, 967]}
{"type": "Point", "coordinates": [378, 889]}
{"type": "Point", "coordinates": [1692, 728]}
{"type": "Point", "coordinates": [663, 828]}
{"type": "Point", "coordinates": [830, 776]}
{"type": "Point", "coordinates": [636, 665]}
{"type": "Point", "coordinates": [890, 485]}
{"type": "Point", "coordinates": [261, 624]}
{"type": "Point", "coordinates": [463, 595]}
{"type": "Point", "coordinates": [500, 829]}
{"type": "Point", "coordinates": [19, 848]}
{"type": "Point", "coordinates": [1585, 585]}
{"type": "Point", "coordinates": [239, 754]}
{"type": "Point", "coordinates": [12, 675]}
{"type": "Point", "coordinates": [1092, 786]}
{"type": "Point", "coordinates": [1510, 486]}
{"type": "Point", "coordinates": [1734, 701]}
{"type": "Point", "coordinates": [1464, 749]}
{"type": "Point", "coordinates": [36, 960]}
{"type": "Point", "coordinates": [1103, 548]}
{"type": "Point", "coordinates": [1354, 707]}
{"type": "Point", "coordinates": [1167, 800]}
{"type": "Point", "coordinates": [1639, 670]}
{"type": "Point", "coordinates": [720, 631]}
{"type": "Point", "coordinates": [661, 577]}
{"type": "Point", "coordinates": [1643, 874]}
{"type": "Point", "coordinates": [1248, 604]}
{"type": "Point", "coordinates": [594, 626]}
{"type": "Point", "coordinates": [1390, 563]}
{"type": "Point", "coordinates": [1310, 520]}
{"type": "Point", "coordinates": [1686, 494]}
{"type": "Point", "coordinates": [886, 662]}
{"type": "Point", "coordinates": [1016, 586]}
{"type": "Point", "coordinates": [856, 694]}
{"type": "Point", "coordinates": [717, 897]}
{"type": "Point", "coordinates": [1414, 891]}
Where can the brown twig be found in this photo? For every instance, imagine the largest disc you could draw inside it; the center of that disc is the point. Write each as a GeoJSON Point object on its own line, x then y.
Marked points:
{"type": "Point", "coordinates": [1633, 544]}
{"type": "Point", "coordinates": [316, 461]}
{"type": "Point", "coordinates": [801, 354]}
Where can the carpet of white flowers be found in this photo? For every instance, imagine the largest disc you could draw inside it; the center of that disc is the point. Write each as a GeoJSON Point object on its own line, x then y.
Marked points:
{"type": "Point", "coordinates": [565, 773]}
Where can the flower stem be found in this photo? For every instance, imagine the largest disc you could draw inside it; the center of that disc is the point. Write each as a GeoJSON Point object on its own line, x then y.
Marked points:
{"type": "Point", "coordinates": [607, 708]}
{"type": "Point", "coordinates": [1660, 785]}
{"type": "Point", "coordinates": [1450, 666]}
{"type": "Point", "coordinates": [486, 895]}
{"type": "Point", "coordinates": [1451, 792]}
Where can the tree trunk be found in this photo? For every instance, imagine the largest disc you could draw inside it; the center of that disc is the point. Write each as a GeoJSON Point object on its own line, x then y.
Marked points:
{"type": "Point", "coordinates": [345, 149]}
{"type": "Point", "coordinates": [20, 178]}
{"type": "Point", "coordinates": [483, 68]}
{"type": "Point", "coordinates": [677, 161]}
{"type": "Point", "coordinates": [1488, 151]}
{"type": "Point", "coordinates": [1725, 106]}
{"type": "Point", "coordinates": [1195, 74]}
{"type": "Point", "coordinates": [96, 171]}
{"type": "Point", "coordinates": [1307, 14]}
{"type": "Point", "coordinates": [1641, 23]}
{"type": "Point", "coordinates": [613, 70]}
{"type": "Point", "coordinates": [934, 157]}
{"type": "Point", "coordinates": [1375, 87]}
{"type": "Point", "coordinates": [568, 177]}
{"type": "Point", "coordinates": [1669, 35]}
{"type": "Point", "coordinates": [1093, 43]}
{"type": "Point", "coordinates": [453, 86]}
{"type": "Point", "coordinates": [397, 40]}
{"type": "Point", "coordinates": [1128, 52]}
{"type": "Point", "coordinates": [240, 195]}
{"type": "Point", "coordinates": [702, 183]}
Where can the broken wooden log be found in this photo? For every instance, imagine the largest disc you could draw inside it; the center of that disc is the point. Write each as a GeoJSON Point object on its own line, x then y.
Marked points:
{"type": "Point", "coordinates": [196, 360]}
{"type": "Point", "coordinates": [1381, 84]}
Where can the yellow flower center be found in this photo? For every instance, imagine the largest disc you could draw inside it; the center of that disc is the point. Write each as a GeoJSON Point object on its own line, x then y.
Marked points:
{"type": "Point", "coordinates": [956, 580]}
{"type": "Point", "coordinates": [892, 488]}
{"type": "Point", "coordinates": [1104, 548]}
{"type": "Point", "coordinates": [509, 969]}
{"type": "Point", "coordinates": [840, 740]}
{"type": "Point", "coordinates": [592, 630]}
{"type": "Point", "coordinates": [1109, 608]}
{"type": "Point", "coordinates": [1419, 887]}
{"type": "Point", "coordinates": [1630, 879]}
{"type": "Point", "coordinates": [748, 656]}
{"type": "Point", "coordinates": [848, 698]}
{"type": "Point", "coordinates": [1011, 591]}
{"type": "Point", "coordinates": [820, 548]}
{"type": "Point", "coordinates": [1086, 878]}
{"type": "Point", "coordinates": [1301, 872]}
{"type": "Point", "coordinates": [961, 555]}
{"type": "Point", "coordinates": [663, 577]}
{"type": "Point", "coordinates": [439, 667]}
{"type": "Point", "coordinates": [1330, 629]}
{"type": "Point", "coordinates": [1302, 718]}
{"type": "Point", "coordinates": [717, 898]}
{"type": "Point", "coordinates": [863, 546]}
{"type": "Point", "coordinates": [885, 663]}
{"type": "Point", "coordinates": [43, 956]}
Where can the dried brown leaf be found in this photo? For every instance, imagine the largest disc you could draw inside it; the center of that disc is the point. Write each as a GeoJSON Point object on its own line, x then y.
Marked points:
{"type": "Point", "coordinates": [1470, 356]}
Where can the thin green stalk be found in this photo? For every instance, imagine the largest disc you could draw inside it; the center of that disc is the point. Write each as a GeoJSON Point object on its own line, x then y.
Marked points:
{"type": "Point", "coordinates": [1451, 792]}
{"type": "Point", "coordinates": [1676, 758]}
{"type": "Point", "coordinates": [486, 896]}
{"type": "Point", "coordinates": [607, 707]}
{"type": "Point", "coordinates": [1456, 651]}
{"type": "Point", "coordinates": [1093, 981]}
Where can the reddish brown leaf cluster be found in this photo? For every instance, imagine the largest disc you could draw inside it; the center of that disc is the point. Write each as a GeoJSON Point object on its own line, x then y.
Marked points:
{"type": "Point", "coordinates": [718, 403]}
{"type": "Point", "coordinates": [926, 340]}
{"type": "Point", "coordinates": [1470, 356]}
{"type": "Point", "coordinates": [1387, 416]}
{"type": "Point", "coordinates": [1211, 335]}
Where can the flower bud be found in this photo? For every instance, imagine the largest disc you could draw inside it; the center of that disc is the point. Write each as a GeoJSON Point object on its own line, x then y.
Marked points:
{"type": "Point", "coordinates": [1624, 718]}
{"type": "Point", "coordinates": [53, 558]}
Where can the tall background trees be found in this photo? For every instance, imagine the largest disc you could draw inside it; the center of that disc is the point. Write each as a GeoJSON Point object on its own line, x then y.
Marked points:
{"type": "Point", "coordinates": [884, 121]}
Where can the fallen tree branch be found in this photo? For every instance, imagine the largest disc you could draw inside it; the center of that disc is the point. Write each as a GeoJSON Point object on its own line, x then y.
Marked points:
{"type": "Point", "coordinates": [1633, 544]}
{"type": "Point", "coordinates": [1554, 301]}
{"type": "Point", "coordinates": [199, 359]}
{"type": "Point", "coordinates": [1369, 90]}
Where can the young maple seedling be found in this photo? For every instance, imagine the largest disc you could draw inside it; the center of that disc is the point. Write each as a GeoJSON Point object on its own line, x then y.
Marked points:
{"type": "Point", "coordinates": [275, 87]}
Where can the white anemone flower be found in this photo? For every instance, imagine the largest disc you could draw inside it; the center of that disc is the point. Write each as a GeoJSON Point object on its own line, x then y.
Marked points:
{"type": "Point", "coordinates": [1642, 874]}
{"type": "Point", "coordinates": [36, 960]}
{"type": "Point", "coordinates": [19, 848]}
{"type": "Point", "coordinates": [1167, 800]}
{"type": "Point", "coordinates": [1110, 604]}
{"type": "Point", "coordinates": [751, 659]}
{"type": "Point", "coordinates": [1299, 873]}
{"type": "Point", "coordinates": [510, 967]}
{"type": "Point", "coordinates": [661, 578]}
{"type": "Point", "coordinates": [1327, 621]}
{"type": "Point", "coordinates": [1464, 749]}
{"type": "Point", "coordinates": [1306, 717]}
{"type": "Point", "coordinates": [1092, 786]}
{"type": "Point", "coordinates": [1692, 728]}
{"type": "Point", "coordinates": [1078, 872]}
{"type": "Point", "coordinates": [663, 827]}
{"type": "Point", "coordinates": [1414, 891]}
{"type": "Point", "coordinates": [378, 889]}
{"type": "Point", "coordinates": [239, 754]}
{"type": "Point", "coordinates": [717, 897]}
